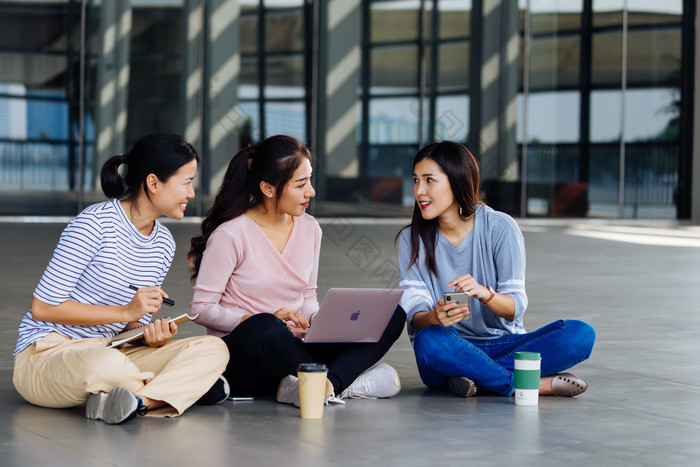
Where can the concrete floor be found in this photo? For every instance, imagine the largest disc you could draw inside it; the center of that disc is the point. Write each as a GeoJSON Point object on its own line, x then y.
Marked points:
{"type": "Point", "coordinates": [635, 284]}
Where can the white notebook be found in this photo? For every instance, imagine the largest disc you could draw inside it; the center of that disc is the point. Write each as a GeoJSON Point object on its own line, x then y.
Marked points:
{"type": "Point", "coordinates": [137, 332]}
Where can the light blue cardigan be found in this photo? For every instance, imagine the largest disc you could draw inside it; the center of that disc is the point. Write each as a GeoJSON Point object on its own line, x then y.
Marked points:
{"type": "Point", "coordinates": [493, 253]}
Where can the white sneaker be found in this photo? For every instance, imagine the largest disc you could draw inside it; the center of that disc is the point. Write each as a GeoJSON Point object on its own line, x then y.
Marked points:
{"type": "Point", "coordinates": [380, 381]}
{"type": "Point", "coordinates": [115, 407]}
{"type": "Point", "coordinates": [288, 392]}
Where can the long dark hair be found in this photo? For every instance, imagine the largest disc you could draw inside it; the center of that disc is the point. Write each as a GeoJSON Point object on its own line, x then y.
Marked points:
{"type": "Point", "coordinates": [273, 160]}
{"type": "Point", "coordinates": [158, 154]}
{"type": "Point", "coordinates": [462, 172]}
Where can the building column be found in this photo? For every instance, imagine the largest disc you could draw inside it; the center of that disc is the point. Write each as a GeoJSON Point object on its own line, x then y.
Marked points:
{"type": "Point", "coordinates": [192, 70]}
{"type": "Point", "coordinates": [193, 91]}
{"type": "Point", "coordinates": [112, 82]}
{"type": "Point", "coordinates": [493, 104]}
{"type": "Point", "coordinates": [222, 115]}
{"type": "Point", "coordinates": [339, 79]}
{"type": "Point", "coordinates": [695, 163]}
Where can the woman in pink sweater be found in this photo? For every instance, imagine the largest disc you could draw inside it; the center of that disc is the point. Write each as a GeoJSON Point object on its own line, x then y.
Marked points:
{"type": "Point", "coordinates": [256, 266]}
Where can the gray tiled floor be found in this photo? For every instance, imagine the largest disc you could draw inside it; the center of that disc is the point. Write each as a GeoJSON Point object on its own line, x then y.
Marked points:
{"type": "Point", "coordinates": [642, 408]}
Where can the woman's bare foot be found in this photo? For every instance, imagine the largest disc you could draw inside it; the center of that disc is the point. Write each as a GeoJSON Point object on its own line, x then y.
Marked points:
{"type": "Point", "coordinates": [546, 385]}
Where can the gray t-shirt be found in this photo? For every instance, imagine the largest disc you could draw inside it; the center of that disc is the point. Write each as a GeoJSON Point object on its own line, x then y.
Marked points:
{"type": "Point", "coordinates": [493, 253]}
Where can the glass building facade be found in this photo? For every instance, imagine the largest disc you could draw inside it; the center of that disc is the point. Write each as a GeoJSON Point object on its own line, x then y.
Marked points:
{"type": "Point", "coordinates": [574, 107]}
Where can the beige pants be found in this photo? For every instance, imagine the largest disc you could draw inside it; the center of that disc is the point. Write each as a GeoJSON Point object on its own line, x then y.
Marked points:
{"type": "Point", "coordinates": [58, 371]}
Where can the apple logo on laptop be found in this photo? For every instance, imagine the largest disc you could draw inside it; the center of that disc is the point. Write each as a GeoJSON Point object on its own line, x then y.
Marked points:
{"type": "Point", "coordinates": [355, 316]}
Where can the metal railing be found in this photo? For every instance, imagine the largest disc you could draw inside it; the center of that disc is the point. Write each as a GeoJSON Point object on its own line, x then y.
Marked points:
{"type": "Point", "coordinates": [552, 163]}
{"type": "Point", "coordinates": [651, 173]}
{"type": "Point", "coordinates": [651, 170]}
{"type": "Point", "coordinates": [40, 166]}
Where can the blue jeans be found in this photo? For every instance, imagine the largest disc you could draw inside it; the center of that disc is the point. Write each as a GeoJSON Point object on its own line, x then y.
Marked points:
{"type": "Point", "coordinates": [442, 353]}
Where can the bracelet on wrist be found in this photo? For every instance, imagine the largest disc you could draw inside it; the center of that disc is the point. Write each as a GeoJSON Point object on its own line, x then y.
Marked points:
{"type": "Point", "coordinates": [493, 294]}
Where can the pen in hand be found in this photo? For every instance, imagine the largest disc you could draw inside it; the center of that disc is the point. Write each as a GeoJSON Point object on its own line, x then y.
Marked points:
{"type": "Point", "coordinates": [167, 301]}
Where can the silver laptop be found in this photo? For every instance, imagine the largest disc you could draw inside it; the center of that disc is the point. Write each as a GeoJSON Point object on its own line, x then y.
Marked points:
{"type": "Point", "coordinates": [353, 315]}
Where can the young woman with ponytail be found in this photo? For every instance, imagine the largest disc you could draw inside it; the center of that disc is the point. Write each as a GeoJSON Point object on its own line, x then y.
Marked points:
{"type": "Point", "coordinates": [256, 268]}
{"type": "Point", "coordinates": [85, 297]}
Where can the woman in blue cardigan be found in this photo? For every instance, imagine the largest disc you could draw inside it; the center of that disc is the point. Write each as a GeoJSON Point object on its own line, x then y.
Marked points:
{"type": "Point", "coordinates": [455, 243]}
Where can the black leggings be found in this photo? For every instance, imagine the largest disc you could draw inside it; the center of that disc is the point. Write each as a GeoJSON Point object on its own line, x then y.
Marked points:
{"type": "Point", "coordinates": [263, 351]}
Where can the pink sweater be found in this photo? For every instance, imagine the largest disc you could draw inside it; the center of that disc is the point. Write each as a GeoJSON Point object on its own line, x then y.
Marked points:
{"type": "Point", "coordinates": [242, 273]}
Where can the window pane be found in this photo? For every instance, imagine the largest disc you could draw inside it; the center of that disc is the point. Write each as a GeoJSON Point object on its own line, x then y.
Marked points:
{"type": "Point", "coordinates": [646, 12]}
{"type": "Point", "coordinates": [453, 64]}
{"type": "Point", "coordinates": [652, 114]}
{"type": "Point", "coordinates": [46, 120]}
{"type": "Point", "coordinates": [33, 118]}
{"type": "Point", "coordinates": [249, 33]}
{"type": "Point", "coordinates": [394, 21]}
{"type": "Point", "coordinates": [654, 57]}
{"type": "Point", "coordinates": [556, 44]}
{"type": "Point", "coordinates": [249, 5]}
{"type": "Point", "coordinates": [283, 3]}
{"type": "Point", "coordinates": [35, 28]}
{"type": "Point", "coordinates": [251, 124]}
{"type": "Point", "coordinates": [452, 118]}
{"type": "Point", "coordinates": [605, 116]}
{"type": "Point", "coordinates": [553, 117]}
{"type": "Point", "coordinates": [607, 12]}
{"type": "Point", "coordinates": [286, 118]}
{"type": "Point", "coordinates": [553, 16]}
{"type": "Point", "coordinates": [33, 71]}
{"type": "Point", "coordinates": [393, 120]}
{"type": "Point", "coordinates": [394, 70]}
{"type": "Point", "coordinates": [284, 31]}
{"type": "Point", "coordinates": [607, 59]}
{"type": "Point", "coordinates": [285, 77]}
{"type": "Point", "coordinates": [33, 166]}
{"type": "Point", "coordinates": [249, 85]}
{"type": "Point", "coordinates": [156, 30]}
{"type": "Point", "coordinates": [153, 104]}
{"type": "Point", "coordinates": [155, 72]}
{"type": "Point", "coordinates": [13, 113]}
{"type": "Point", "coordinates": [455, 18]}
{"type": "Point", "coordinates": [554, 62]}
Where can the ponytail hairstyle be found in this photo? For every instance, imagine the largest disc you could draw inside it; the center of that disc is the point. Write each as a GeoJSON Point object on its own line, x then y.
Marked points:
{"type": "Point", "coordinates": [273, 160]}
{"type": "Point", "coordinates": [462, 171]}
{"type": "Point", "coordinates": [158, 154]}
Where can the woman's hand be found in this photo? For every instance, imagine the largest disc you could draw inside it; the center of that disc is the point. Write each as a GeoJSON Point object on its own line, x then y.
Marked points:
{"type": "Point", "coordinates": [501, 305]}
{"type": "Point", "coordinates": [159, 332]}
{"type": "Point", "coordinates": [448, 315]}
{"type": "Point", "coordinates": [441, 315]}
{"type": "Point", "coordinates": [146, 300]}
{"type": "Point", "coordinates": [468, 284]}
{"type": "Point", "coordinates": [292, 317]}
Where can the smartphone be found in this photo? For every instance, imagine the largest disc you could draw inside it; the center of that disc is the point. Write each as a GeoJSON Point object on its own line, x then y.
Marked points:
{"type": "Point", "coordinates": [461, 299]}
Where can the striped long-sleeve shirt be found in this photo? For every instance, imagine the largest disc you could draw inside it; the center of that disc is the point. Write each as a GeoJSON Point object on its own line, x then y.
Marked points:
{"type": "Point", "coordinates": [493, 253]}
{"type": "Point", "coordinates": [99, 255]}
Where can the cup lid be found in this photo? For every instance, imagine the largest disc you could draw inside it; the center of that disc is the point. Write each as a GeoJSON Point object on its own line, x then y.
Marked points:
{"type": "Point", "coordinates": [527, 356]}
{"type": "Point", "coordinates": [312, 367]}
